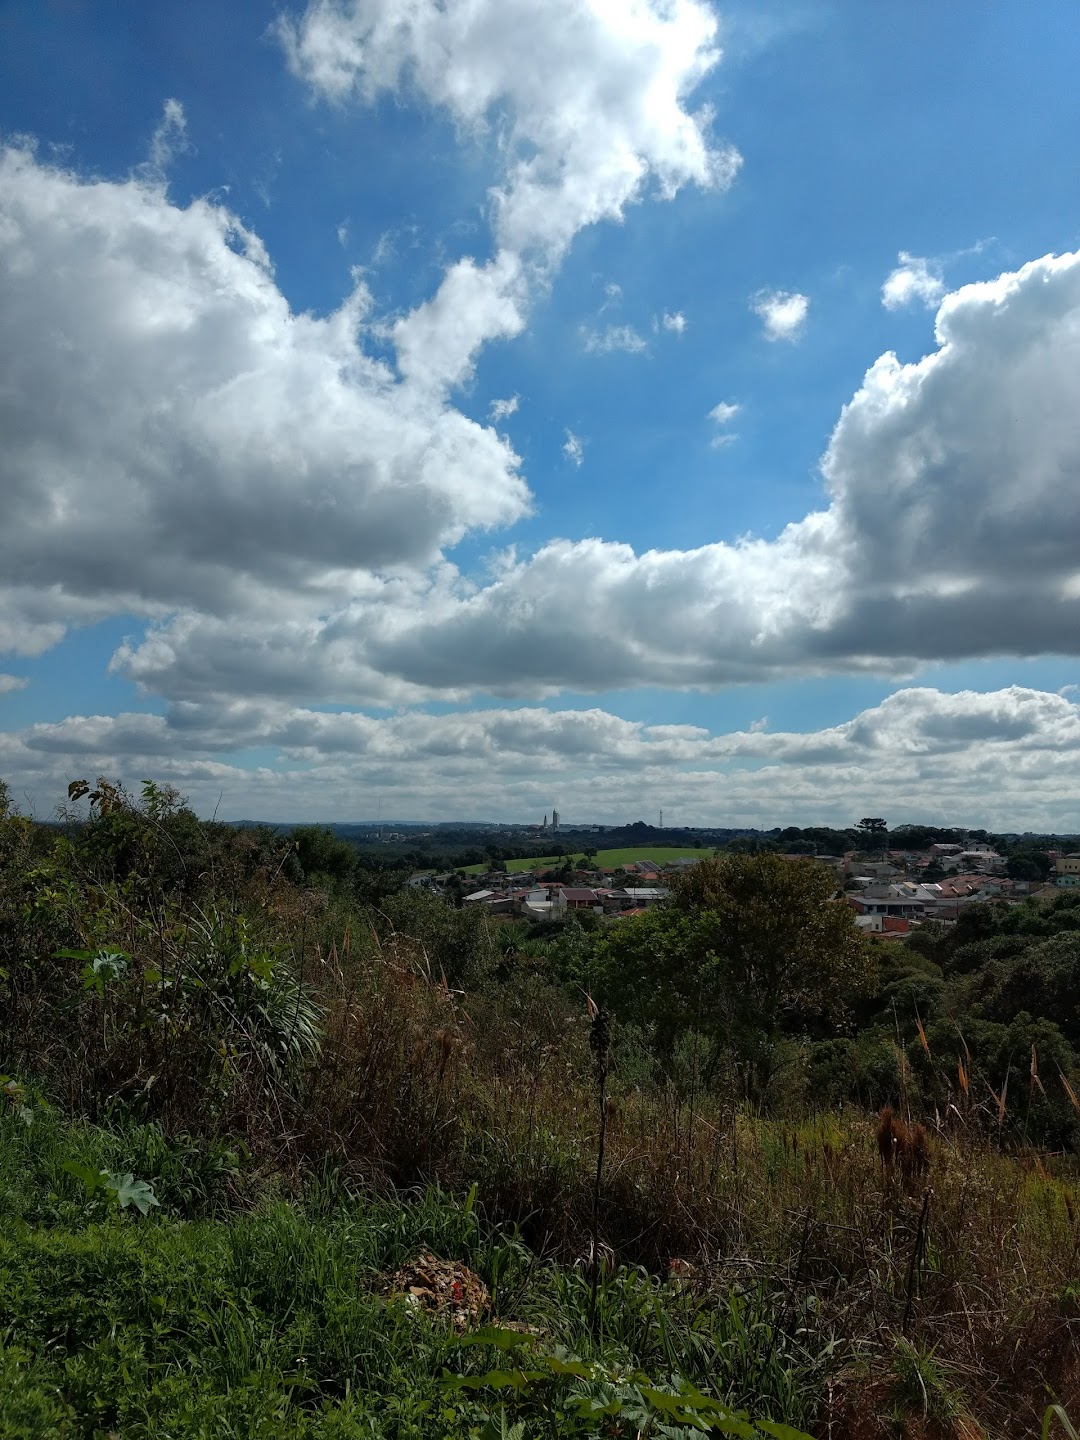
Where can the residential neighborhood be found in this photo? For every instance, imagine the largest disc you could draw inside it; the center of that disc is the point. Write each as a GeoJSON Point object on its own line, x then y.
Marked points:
{"type": "Point", "coordinates": [891, 890]}
{"type": "Point", "coordinates": [533, 896]}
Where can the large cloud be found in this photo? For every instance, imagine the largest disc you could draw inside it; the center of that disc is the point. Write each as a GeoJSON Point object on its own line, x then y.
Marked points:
{"type": "Point", "coordinates": [180, 445]}
{"type": "Point", "coordinates": [179, 442]}
{"type": "Point", "coordinates": [175, 435]}
{"type": "Point", "coordinates": [952, 529]}
{"type": "Point", "coordinates": [589, 103]}
{"type": "Point", "coordinates": [589, 97]}
{"type": "Point", "coordinates": [590, 616]}
{"type": "Point", "coordinates": [956, 477]}
{"type": "Point", "coordinates": [1004, 759]}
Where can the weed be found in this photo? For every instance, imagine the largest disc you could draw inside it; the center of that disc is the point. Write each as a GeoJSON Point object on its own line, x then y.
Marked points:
{"type": "Point", "coordinates": [575, 1397]}
{"type": "Point", "coordinates": [125, 1190]}
{"type": "Point", "coordinates": [273, 1320]}
{"type": "Point", "coordinates": [922, 1386]}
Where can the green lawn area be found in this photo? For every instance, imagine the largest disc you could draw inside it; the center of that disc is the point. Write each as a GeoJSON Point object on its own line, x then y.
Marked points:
{"type": "Point", "coordinates": [606, 859]}
{"type": "Point", "coordinates": [537, 863]}
{"type": "Point", "coordinates": [660, 853]}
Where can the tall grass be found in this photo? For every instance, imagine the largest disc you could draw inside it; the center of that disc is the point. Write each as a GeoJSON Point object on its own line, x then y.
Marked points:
{"type": "Point", "coordinates": [250, 1059]}
{"type": "Point", "coordinates": [271, 1323]}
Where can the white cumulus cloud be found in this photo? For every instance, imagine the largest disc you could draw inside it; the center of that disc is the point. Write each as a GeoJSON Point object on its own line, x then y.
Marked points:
{"type": "Point", "coordinates": [986, 427]}
{"type": "Point", "coordinates": [590, 102]}
{"type": "Point", "coordinates": [179, 445]}
{"type": "Point", "coordinates": [1004, 759]}
{"type": "Point", "coordinates": [176, 435]}
{"type": "Point", "coordinates": [259, 467]}
{"type": "Point", "coordinates": [782, 313]}
{"type": "Point", "coordinates": [591, 98]}
{"type": "Point", "coordinates": [437, 343]}
{"type": "Point", "coordinates": [914, 281]}
{"type": "Point", "coordinates": [273, 496]}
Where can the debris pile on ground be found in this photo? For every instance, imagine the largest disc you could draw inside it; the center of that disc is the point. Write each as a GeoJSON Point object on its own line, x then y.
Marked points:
{"type": "Point", "coordinates": [444, 1289]}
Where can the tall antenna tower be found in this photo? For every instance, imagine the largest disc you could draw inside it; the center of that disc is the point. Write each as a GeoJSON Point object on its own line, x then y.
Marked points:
{"type": "Point", "coordinates": [661, 819]}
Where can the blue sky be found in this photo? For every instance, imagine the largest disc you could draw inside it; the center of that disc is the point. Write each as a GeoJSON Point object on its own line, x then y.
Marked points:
{"type": "Point", "coordinates": [265, 273]}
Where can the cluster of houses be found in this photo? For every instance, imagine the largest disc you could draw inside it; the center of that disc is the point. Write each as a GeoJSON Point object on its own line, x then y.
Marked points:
{"type": "Point", "coordinates": [533, 896]}
{"type": "Point", "coordinates": [552, 902]}
{"type": "Point", "coordinates": [536, 898]}
{"type": "Point", "coordinates": [893, 894]}
{"type": "Point", "coordinates": [888, 895]}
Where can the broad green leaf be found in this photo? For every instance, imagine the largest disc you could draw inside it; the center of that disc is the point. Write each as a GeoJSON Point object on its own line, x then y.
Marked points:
{"type": "Point", "coordinates": [779, 1431]}
{"type": "Point", "coordinates": [661, 1400]}
{"type": "Point", "coordinates": [589, 1409]}
{"type": "Point", "coordinates": [91, 1179]}
{"type": "Point", "coordinates": [130, 1191]}
{"type": "Point", "coordinates": [1055, 1412]}
{"type": "Point", "coordinates": [692, 1414]}
{"type": "Point", "coordinates": [109, 964]}
{"type": "Point", "coordinates": [568, 1367]}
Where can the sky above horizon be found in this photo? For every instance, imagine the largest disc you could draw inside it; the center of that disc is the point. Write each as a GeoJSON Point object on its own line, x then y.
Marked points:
{"type": "Point", "coordinates": [462, 408]}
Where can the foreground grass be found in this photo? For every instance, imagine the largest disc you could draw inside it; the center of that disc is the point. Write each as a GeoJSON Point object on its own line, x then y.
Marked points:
{"type": "Point", "coordinates": [808, 1260]}
{"type": "Point", "coordinates": [270, 1323]}
{"type": "Point", "coordinates": [240, 1307]}
{"type": "Point", "coordinates": [284, 1070]}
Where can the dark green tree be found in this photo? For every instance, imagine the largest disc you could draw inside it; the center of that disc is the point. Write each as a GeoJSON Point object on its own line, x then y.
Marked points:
{"type": "Point", "coordinates": [1028, 865]}
{"type": "Point", "coordinates": [324, 859]}
{"type": "Point", "coordinates": [873, 833]}
{"type": "Point", "coordinates": [749, 949]}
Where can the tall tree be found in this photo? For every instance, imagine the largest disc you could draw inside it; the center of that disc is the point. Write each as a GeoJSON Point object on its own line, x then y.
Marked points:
{"type": "Point", "coordinates": [749, 948]}
{"type": "Point", "coordinates": [874, 832]}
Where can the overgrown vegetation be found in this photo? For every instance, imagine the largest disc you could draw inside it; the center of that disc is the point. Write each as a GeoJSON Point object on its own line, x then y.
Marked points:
{"type": "Point", "coordinates": [303, 1082]}
{"type": "Point", "coordinates": [272, 1323]}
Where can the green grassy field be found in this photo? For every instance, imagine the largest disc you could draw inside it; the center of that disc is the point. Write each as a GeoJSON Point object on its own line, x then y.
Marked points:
{"type": "Point", "coordinates": [606, 859]}
{"type": "Point", "coordinates": [660, 853]}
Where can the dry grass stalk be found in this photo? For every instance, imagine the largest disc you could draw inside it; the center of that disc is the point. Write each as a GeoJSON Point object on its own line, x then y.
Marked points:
{"type": "Point", "coordinates": [902, 1146]}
